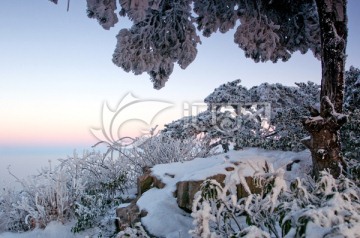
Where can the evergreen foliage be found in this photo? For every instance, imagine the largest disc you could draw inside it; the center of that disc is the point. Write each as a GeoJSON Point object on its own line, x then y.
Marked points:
{"type": "Point", "coordinates": [282, 131]}
{"type": "Point", "coordinates": [350, 132]}
{"type": "Point", "coordinates": [288, 106]}
{"type": "Point", "coordinates": [163, 32]}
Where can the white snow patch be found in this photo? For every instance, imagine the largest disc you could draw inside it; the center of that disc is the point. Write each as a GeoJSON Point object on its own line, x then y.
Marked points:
{"type": "Point", "coordinates": [52, 230]}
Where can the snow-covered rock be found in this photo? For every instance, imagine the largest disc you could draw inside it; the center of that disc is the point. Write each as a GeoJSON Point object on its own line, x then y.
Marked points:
{"type": "Point", "coordinates": [166, 219]}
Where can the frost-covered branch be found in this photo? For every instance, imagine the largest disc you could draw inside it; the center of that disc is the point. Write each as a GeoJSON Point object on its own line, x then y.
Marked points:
{"type": "Point", "coordinates": [164, 31]}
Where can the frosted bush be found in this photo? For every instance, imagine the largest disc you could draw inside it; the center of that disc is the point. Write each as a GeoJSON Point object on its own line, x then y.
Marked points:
{"type": "Point", "coordinates": [162, 149]}
{"type": "Point", "coordinates": [80, 187]}
{"type": "Point", "coordinates": [100, 173]}
{"type": "Point", "coordinates": [219, 212]}
{"type": "Point", "coordinates": [11, 219]}
{"type": "Point", "coordinates": [157, 149]}
{"type": "Point", "coordinates": [44, 198]}
{"type": "Point", "coordinates": [328, 207]}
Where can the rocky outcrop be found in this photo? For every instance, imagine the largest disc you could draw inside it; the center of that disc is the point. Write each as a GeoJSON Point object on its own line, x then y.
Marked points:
{"type": "Point", "coordinates": [185, 191]}
{"type": "Point", "coordinates": [184, 194]}
{"type": "Point", "coordinates": [129, 215]}
{"type": "Point", "coordinates": [254, 188]}
{"type": "Point", "coordinates": [148, 181]}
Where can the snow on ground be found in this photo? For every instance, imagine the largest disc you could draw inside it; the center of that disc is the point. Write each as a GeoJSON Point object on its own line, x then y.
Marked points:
{"type": "Point", "coordinates": [166, 219]}
{"type": "Point", "coordinates": [52, 230]}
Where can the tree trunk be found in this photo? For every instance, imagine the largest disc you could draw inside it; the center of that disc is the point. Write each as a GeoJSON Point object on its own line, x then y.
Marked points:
{"type": "Point", "coordinates": [333, 28]}
{"type": "Point", "coordinates": [324, 142]}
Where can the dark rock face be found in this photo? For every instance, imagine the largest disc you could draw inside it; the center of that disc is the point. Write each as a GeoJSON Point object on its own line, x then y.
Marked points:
{"type": "Point", "coordinates": [254, 188]}
{"type": "Point", "coordinates": [185, 190]}
{"type": "Point", "coordinates": [147, 181]}
{"type": "Point", "coordinates": [128, 216]}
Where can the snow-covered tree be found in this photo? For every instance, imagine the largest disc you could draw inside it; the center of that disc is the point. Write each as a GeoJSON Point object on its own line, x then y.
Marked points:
{"type": "Point", "coordinates": [352, 89]}
{"type": "Point", "coordinates": [350, 133]}
{"type": "Point", "coordinates": [164, 33]}
{"type": "Point", "coordinates": [283, 129]}
{"type": "Point", "coordinates": [208, 126]}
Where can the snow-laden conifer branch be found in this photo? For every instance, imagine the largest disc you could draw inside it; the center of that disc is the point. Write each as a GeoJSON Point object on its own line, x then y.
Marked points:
{"type": "Point", "coordinates": [164, 32]}
{"type": "Point", "coordinates": [161, 38]}
{"type": "Point", "coordinates": [103, 11]}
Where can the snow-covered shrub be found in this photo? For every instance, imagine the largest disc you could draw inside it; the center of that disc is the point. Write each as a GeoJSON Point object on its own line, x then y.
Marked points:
{"type": "Point", "coordinates": [230, 92]}
{"type": "Point", "coordinates": [84, 187]}
{"type": "Point", "coordinates": [44, 198]}
{"type": "Point", "coordinates": [162, 149]}
{"type": "Point", "coordinates": [158, 149]}
{"type": "Point", "coordinates": [328, 207]}
{"type": "Point", "coordinates": [90, 211]}
{"type": "Point", "coordinates": [11, 219]}
{"type": "Point", "coordinates": [80, 187]}
{"type": "Point", "coordinates": [104, 177]}
{"type": "Point", "coordinates": [288, 105]}
{"type": "Point", "coordinates": [100, 173]}
{"type": "Point", "coordinates": [219, 212]}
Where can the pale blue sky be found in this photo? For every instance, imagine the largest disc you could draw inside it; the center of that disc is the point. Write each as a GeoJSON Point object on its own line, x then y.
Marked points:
{"type": "Point", "coordinates": [56, 71]}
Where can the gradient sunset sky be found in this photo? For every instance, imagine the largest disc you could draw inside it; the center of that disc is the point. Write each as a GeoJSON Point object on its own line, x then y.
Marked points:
{"type": "Point", "coordinates": [56, 73]}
